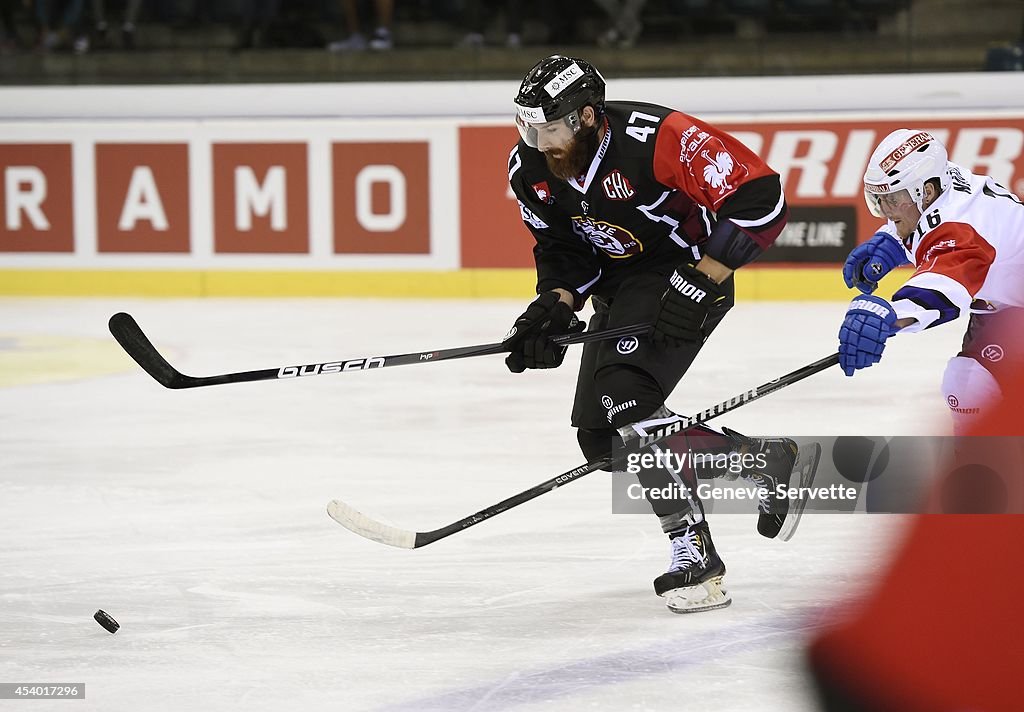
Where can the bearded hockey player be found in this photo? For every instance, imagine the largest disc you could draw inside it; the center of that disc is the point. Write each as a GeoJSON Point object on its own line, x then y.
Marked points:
{"type": "Point", "coordinates": [646, 212]}
{"type": "Point", "coordinates": [964, 233]}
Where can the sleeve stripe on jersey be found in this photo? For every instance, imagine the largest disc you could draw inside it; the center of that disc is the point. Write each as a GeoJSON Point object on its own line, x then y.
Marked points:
{"type": "Point", "coordinates": [953, 290]}
{"type": "Point", "coordinates": [514, 161]}
{"type": "Point", "coordinates": [931, 300]}
{"type": "Point", "coordinates": [583, 290]}
{"type": "Point", "coordinates": [705, 219]}
{"type": "Point", "coordinates": [773, 215]}
{"type": "Point", "coordinates": [645, 210]}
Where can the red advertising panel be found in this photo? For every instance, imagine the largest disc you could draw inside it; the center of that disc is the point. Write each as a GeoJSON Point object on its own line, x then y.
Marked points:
{"type": "Point", "coordinates": [381, 198]}
{"type": "Point", "coordinates": [260, 198]}
{"type": "Point", "coordinates": [142, 197]}
{"type": "Point", "coordinates": [493, 234]}
{"type": "Point", "coordinates": [36, 209]}
{"type": "Point", "coordinates": [821, 163]}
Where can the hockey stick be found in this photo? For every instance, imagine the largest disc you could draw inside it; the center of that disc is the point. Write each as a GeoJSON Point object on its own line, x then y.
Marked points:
{"type": "Point", "coordinates": [364, 526]}
{"type": "Point", "coordinates": [128, 333]}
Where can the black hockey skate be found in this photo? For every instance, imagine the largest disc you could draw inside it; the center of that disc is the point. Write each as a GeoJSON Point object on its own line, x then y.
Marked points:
{"type": "Point", "coordinates": [693, 581]}
{"type": "Point", "coordinates": [785, 462]}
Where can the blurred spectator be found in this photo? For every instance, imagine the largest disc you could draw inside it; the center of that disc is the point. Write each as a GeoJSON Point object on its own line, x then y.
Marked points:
{"type": "Point", "coordinates": [257, 16]}
{"type": "Point", "coordinates": [624, 16]}
{"type": "Point", "coordinates": [8, 28]}
{"type": "Point", "coordinates": [356, 40]}
{"type": "Point", "coordinates": [560, 27]}
{"type": "Point", "coordinates": [131, 16]}
{"type": "Point", "coordinates": [475, 23]}
{"type": "Point", "coordinates": [190, 14]}
{"type": "Point", "coordinates": [59, 25]}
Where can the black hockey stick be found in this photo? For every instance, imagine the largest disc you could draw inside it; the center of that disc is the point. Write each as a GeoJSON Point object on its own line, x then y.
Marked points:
{"type": "Point", "coordinates": [128, 333]}
{"type": "Point", "coordinates": [364, 526]}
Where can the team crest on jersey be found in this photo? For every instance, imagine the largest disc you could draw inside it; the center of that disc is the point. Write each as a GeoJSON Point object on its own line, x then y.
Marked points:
{"type": "Point", "coordinates": [709, 160]}
{"type": "Point", "coordinates": [543, 192]}
{"type": "Point", "coordinates": [940, 246]}
{"type": "Point", "coordinates": [617, 242]}
{"type": "Point", "coordinates": [616, 186]}
{"type": "Point", "coordinates": [719, 170]}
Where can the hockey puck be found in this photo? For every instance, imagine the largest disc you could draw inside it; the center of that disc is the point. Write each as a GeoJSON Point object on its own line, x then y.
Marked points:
{"type": "Point", "coordinates": [105, 620]}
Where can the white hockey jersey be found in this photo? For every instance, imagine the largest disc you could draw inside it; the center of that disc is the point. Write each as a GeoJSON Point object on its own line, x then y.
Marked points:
{"type": "Point", "coordinates": [968, 249]}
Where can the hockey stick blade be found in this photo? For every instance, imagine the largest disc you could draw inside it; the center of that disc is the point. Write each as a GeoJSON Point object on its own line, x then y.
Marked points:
{"type": "Point", "coordinates": [126, 330]}
{"type": "Point", "coordinates": [371, 529]}
{"type": "Point", "coordinates": [357, 522]}
{"type": "Point", "coordinates": [129, 334]}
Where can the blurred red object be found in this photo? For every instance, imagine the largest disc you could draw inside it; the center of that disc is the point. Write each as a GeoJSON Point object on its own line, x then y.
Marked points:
{"type": "Point", "coordinates": [943, 629]}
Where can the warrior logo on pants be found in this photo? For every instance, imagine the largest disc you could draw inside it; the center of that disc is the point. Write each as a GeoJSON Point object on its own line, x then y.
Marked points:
{"type": "Point", "coordinates": [627, 345]}
{"type": "Point", "coordinates": [992, 352]}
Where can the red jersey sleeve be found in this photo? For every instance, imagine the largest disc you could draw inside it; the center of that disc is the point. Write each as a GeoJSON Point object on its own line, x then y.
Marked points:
{"type": "Point", "coordinates": [953, 262]}
{"type": "Point", "coordinates": [704, 162]}
{"type": "Point", "coordinates": [955, 250]}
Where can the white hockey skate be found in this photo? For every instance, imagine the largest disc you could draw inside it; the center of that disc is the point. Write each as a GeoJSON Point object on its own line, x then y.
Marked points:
{"type": "Point", "coordinates": [694, 580]}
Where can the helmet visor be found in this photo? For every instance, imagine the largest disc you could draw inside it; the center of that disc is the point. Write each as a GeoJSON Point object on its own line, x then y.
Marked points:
{"type": "Point", "coordinates": [879, 202]}
{"type": "Point", "coordinates": [549, 133]}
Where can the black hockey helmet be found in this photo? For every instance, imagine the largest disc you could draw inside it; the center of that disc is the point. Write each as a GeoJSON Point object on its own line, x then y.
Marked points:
{"type": "Point", "coordinates": [557, 86]}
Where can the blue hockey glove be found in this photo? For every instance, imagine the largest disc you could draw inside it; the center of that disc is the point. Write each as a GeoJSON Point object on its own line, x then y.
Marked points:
{"type": "Point", "coordinates": [872, 260]}
{"type": "Point", "coordinates": [869, 322]}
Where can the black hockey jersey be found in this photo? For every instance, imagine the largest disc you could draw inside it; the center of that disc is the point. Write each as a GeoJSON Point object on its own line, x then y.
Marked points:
{"type": "Point", "coordinates": [663, 188]}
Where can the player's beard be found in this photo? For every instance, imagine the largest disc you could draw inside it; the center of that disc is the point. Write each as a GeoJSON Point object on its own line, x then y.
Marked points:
{"type": "Point", "coordinates": [573, 160]}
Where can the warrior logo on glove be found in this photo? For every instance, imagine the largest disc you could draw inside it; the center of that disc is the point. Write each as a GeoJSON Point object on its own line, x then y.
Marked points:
{"type": "Point", "coordinates": [684, 307]}
{"type": "Point", "coordinates": [686, 289]}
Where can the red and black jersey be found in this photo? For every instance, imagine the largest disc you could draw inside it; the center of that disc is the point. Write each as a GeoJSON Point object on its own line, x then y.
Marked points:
{"type": "Point", "coordinates": [663, 188]}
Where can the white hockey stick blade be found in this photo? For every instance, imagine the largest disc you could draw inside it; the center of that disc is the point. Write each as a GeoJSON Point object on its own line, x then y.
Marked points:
{"type": "Point", "coordinates": [354, 520]}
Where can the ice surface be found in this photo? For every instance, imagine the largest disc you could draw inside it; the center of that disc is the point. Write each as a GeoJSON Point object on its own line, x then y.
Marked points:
{"type": "Point", "coordinates": [197, 518]}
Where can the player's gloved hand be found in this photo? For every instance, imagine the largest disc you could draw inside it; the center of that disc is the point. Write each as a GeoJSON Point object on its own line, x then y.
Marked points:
{"type": "Point", "coordinates": [529, 339]}
{"type": "Point", "coordinates": [872, 260]}
{"type": "Point", "coordinates": [684, 307]}
{"type": "Point", "coordinates": [869, 322]}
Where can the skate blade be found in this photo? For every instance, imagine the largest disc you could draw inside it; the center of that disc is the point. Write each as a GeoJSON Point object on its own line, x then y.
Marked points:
{"type": "Point", "coordinates": [707, 596]}
{"type": "Point", "coordinates": [806, 466]}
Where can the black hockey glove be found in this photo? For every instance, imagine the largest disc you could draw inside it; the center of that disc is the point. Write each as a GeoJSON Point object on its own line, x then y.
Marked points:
{"type": "Point", "coordinates": [684, 307]}
{"type": "Point", "coordinates": [529, 341]}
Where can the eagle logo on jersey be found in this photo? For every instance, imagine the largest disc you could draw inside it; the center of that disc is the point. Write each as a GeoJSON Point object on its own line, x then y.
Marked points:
{"type": "Point", "coordinates": [717, 166]}
{"type": "Point", "coordinates": [718, 170]}
{"type": "Point", "coordinates": [617, 242]}
{"type": "Point", "coordinates": [543, 192]}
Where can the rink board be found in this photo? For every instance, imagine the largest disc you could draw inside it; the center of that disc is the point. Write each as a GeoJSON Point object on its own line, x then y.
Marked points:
{"type": "Point", "coordinates": [146, 198]}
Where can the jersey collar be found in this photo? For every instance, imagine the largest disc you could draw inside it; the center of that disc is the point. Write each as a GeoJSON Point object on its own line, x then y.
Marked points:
{"type": "Point", "coordinates": [592, 171]}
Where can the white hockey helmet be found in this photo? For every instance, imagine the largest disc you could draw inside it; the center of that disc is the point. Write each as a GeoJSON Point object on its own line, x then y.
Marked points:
{"type": "Point", "coordinates": [905, 160]}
